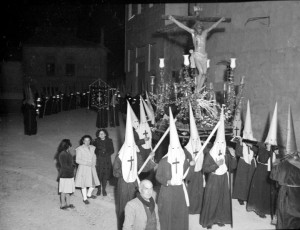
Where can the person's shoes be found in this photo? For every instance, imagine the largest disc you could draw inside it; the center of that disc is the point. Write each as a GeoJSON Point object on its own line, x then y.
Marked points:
{"type": "Point", "coordinates": [99, 192]}
{"type": "Point", "coordinates": [71, 206]}
{"type": "Point", "coordinates": [64, 207]}
{"type": "Point", "coordinates": [262, 216]}
{"type": "Point", "coordinates": [209, 227]}
{"type": "Point", "coordinates": [104, 193]}
{"type": "Point", "coordinates": [241, 202]}
{"type": "Point", "coordinates": [92, 197]}
{"type": "Point", "coordinates": [86, 201]}
{"type": "Point", "coordinates": [221, 225]}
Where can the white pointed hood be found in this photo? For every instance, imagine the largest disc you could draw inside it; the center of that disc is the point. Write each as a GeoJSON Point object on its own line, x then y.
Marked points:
{"type": "Point", "coordinates": [291, 145]}
{"type": "Point", "coordinates": [128, 151]}
{"type": "Point", "coordinates": [149, 112]}
{"type": "Point", "coordinates": [248, 134]}
{"type": "Point", "coordinates": [272, 135]}
{"type": "Point", "coordinates": [194, 144]}
{"type": "Point", "coordinates": [218, 150]}
{"type": "Point", "coordinates": [144, 128]}
{"type": "Point", "coordinates": [176, 156]}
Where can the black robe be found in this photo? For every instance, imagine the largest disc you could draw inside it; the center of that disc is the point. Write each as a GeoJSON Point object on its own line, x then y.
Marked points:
{"type": "Point", "coordinates": [288, 203]}
{"type": "Point", "coordinates": [243, 177]}
{"type": "Point", "coordinates": [102, 118]}
{"type": "Point", "coordinates": [172, 209]}
{"type": "Point", "coordinates": [195, 188]}
{"type": "Point", "coordinates": [104, 150]}
{"type": "Point", "coordinates": [259, 199]}
{"type": "Point", "coordinates": [126, 191]}
{"type": "Point", "coordinates": [216, 202]}
{"type": "Point", "coordinates": [30, 122]}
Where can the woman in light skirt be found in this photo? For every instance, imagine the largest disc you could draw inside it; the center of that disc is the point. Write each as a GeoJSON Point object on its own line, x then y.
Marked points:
{"type": "Point", "coordinates": [86, 175]}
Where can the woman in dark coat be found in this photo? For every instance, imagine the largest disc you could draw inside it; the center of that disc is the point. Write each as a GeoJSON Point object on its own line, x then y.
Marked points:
{"type": "Point", "coordinates": [66, 173]}
{"type": "Point", "coordinates": [104, 150]}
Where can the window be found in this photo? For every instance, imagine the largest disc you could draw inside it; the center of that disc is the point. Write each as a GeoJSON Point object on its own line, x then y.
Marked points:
{"type": "Point", "coordinates": [139, 8]}
{"type": "Point", "coordinates": [128, 60]}
{"type": "Point", "coordinates": [149, 57]}
{"type": "Point", "coordinates": [70, 69]}
{"type": "Point", "coordinates": [50, 68]}
{"type": "Point", "coordinates": [129, 11]}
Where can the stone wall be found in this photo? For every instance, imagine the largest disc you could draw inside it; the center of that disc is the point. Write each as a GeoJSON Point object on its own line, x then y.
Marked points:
{"type": "Point", "coordinates": [268, 55]}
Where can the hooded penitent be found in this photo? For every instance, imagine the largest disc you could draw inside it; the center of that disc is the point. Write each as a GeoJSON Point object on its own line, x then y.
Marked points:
{"type": "Point", "coordinates": [176, 157]}
{"type": "Point", "coordinates": [291, 145]}
{"type": "Point", "coordinates": [218, 150]}
{"type": "Point", "coordinates": [248, 134]}
{"type": "Point", "coordinates": [128, 152]}
{"type": "Point", "coordinates": [144, 128]}
{"type": "Point", "coordinates": [149, 112]}
{"type": "Point", "coordinates": [272, 135]}
{"type": "Point", "coordinates": [194, 144]}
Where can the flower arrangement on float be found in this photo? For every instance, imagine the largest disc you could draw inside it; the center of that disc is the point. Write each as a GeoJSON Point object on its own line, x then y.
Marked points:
{"type": "Point", "coordinates": [205, 106]}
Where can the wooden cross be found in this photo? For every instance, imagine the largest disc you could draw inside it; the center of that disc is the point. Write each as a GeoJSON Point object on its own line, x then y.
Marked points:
{"type": "Point", "coordinates": [176, 162]}
{"type": "Point", "coordinates": [236, 129]}
{"type": "Point", "coordinates": [145, 133]}
{"type": "Point", "coordinates": [196, 17]}
{"type": "Point", "coordinates": [131, 160]}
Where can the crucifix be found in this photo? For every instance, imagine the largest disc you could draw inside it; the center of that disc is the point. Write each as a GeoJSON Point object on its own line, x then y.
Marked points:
{"type": "Point", "coordinates": [145, 133]}
{"type": "Point", "coordinates": [176, 162]}
{"type": "Point", "coordinates": [131, 160]}
{"type": "Point", "coordinates": [236, 129]}
{"type": "Point", "coordinates": [199, 36]}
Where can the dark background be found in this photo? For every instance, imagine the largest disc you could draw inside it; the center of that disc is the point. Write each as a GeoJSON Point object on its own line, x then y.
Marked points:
{"type": "Point", "coordinates": [21, 20]}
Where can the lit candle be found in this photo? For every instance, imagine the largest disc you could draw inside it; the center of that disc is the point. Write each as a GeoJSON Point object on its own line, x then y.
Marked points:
{"type": "Point", "coordinates": [186, 60]}
{"type": "Point", "coordinates": [232, 63]}
{"type": "Point", "coordinates": [161, 63]}
{"type": "Point", "coordinates": [208, 63]}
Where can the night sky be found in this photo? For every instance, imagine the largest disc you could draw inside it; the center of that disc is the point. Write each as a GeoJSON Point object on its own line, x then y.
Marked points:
{"type": "Point", "coordinates": [21, 20]}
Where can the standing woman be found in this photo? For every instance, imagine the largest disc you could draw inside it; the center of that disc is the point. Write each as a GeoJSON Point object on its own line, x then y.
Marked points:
{"type": "Point", "coordinates": [86, 175]}
{"type": "Point", "coordinates": [66, 174]}
{"type": "Point", "coordinates": [104, 150]}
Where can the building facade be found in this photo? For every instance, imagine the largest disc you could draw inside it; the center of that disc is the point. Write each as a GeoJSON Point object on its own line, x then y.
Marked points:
{"type": "Point", "coordinates": [63, 64]}
{"type": "Point", "coordinates": [147, 38]}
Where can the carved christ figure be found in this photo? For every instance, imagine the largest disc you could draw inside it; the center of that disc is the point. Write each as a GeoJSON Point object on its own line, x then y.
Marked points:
{"type": "Point", "coordinates": [199, 35]}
